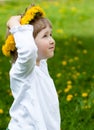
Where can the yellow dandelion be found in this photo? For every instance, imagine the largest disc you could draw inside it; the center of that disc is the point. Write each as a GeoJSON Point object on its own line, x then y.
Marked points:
{"type": "Point", "coordinates": [71, 60]}
{"type": "Point", "coordinates": [58, 75]}
{"type": "Point", "coordinates": [9, 92]}
{"type": "Point", "coordinates": [87, 107]}
{"type": "Point", "coordinates": [59, 91]}
{"type": "Point", "coordinates": [84, 73]}
{"type": "Point", "coordinates": [60, 31]}
{"type": "Point", "coordinates": [1, 111]}
{"type": "Point", "coordinates": [84, 94]}
{"type": "Point", "coordinates": [80, 42]}
{"type": "Point", "coordinates": [73, 9]}
{"type": "Point", "coordinates": [64, 63]}
{"type": "Point", "coordinates": [74, 39]}
{"type": "Point", "coordinates": [66, 43]}
{"type": "Point", "coordinates": [69, 86]}
{"type": "Point", "coordinates": [85, 101]}
{"type": "Point", "coordinates": [66, 90]}
{"type": "Point", "coordinates": [73, 67]}
{"type": "Point", "coordinates": [69, 97]}
{"type": "Point", "coordinates": [75, 94]}
{"type": "Point", "coordinates": [76, 58]}
{"type": "Point", "coordinates": [69, 82]}
{"type": "Point", "coordinates": [77, 73]}
{"type": "Point", "coordinates": [74, 76]}
{"type": "Point", "coordinates": [84, 51]}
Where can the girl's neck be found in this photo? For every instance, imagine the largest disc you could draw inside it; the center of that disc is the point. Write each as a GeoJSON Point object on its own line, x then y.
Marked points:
{"type": "Point", "coordinates": [38, 62]}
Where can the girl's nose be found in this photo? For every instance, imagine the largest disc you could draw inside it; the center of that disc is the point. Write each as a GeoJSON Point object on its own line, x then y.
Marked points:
{"type": "Point", "coordinates": [51, 40]}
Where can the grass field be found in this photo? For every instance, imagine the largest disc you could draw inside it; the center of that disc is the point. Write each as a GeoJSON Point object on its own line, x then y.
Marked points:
{"type": "Point", "coordinates": [72, 67]}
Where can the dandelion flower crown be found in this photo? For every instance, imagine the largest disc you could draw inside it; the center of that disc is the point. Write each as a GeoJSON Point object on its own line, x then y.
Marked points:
{"type": "Point", "coordinates": [29, 15]}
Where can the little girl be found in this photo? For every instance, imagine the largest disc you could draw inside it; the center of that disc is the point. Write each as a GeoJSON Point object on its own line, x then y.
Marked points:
{"type": "Point", "coordinates": [30, 43]}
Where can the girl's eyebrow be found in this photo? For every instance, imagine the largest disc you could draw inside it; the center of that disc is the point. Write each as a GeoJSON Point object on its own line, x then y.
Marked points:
{"type": "Point", "coordinates": [48, 31]}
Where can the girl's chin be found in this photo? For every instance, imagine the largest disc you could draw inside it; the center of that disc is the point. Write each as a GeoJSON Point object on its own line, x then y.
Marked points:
{"type": "Point", "coordinates": [51, 55]}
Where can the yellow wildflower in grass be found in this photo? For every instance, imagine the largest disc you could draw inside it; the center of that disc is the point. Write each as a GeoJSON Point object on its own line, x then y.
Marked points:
{"type": "Point", "coordinates": [60, 31]}
{"type": "Point", "coordinates": [74, 9]}
{"type": "Point", "coordinates": [77, 74]}
{"type": "Point", "coordinates": [69, 97]}
{"type": "Point", "coordinates": [64, 63]}
{"type": "Point", "coordinates": [59, 91]}
{"type": "Point", "coordinates": [66, 43]}
{"type": "Point", "coordinates": [84, 51]}
{"type": "Point", "coordinates": [76, 58]}
{"type": "Point", "coordinates": [84, 72]}
{"type": "Point", "coordinates": [78, 66]}
{"type": "Point", "coordinates": [58, 75]}
{"type": "Point", "coordinates": [85, 101]}
{"type": "Point", "coordinates": [1, 111]}
{"type": "Point", "coordinates": [74, 76]}
{"type": "Point", "coordinates": [67, 89]}
{"type": "Point", "coordinates": [71, 60]}
{"type": "Point", "coordinates": [69, 86]}
{"type": "Point", "coordinates": [84, 94]}
{"type": "Point", "coordinates": [73, 67]}
{"type": "Point", "coordinates": [9, 92]}
{"type": "Point", "coordinates": [80, 42]}
{"type": "Point", "coordinates": [75, 39]}
{"type": "Point", "coordinates": [69, 82]}
{"type": "Point", "coordinates": [87, 107]}
{"type": "Point", "coordinates": [75, 94]}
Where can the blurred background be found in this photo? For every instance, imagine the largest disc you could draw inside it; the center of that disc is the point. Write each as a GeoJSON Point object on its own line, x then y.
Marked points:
{"type": "Point", "coordinates": [72, 67]}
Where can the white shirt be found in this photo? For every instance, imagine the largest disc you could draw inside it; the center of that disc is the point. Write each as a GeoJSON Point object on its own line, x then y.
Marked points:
{"type": "Point", "coordinates": [35, 105]}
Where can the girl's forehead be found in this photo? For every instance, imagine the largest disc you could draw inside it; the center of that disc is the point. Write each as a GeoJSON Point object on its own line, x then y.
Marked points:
{"type": "Point", "coordinates": [46, 29]}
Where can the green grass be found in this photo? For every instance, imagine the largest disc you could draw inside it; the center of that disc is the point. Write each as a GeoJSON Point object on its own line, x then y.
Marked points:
{"type": "Point", "coordinates": [72, 67]}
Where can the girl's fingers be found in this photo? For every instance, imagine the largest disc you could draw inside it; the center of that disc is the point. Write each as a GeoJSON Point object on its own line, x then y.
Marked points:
{"type": "Point", "coordinates": [13, 21]}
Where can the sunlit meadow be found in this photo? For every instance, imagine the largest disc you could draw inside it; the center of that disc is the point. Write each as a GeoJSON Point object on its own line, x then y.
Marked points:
{"type": "Point", "coordinates": [72, 67]}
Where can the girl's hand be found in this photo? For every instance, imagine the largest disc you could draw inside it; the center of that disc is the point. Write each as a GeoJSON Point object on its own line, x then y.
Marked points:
{"type": "Point", "coordinates": [14, 21]}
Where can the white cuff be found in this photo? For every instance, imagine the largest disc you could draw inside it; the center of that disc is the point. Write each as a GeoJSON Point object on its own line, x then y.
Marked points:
{"type": "Point", "coordinates": [21, 28]}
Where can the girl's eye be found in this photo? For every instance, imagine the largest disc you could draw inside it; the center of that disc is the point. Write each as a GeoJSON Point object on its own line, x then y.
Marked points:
{"type": "Point", "coordinates": [45, 35]}
{"type": "Point", "coordinates": [51, 34]}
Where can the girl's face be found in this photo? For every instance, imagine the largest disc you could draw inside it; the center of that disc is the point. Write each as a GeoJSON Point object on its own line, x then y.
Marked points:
{"type": "Point", "coordinates": [45, 43]}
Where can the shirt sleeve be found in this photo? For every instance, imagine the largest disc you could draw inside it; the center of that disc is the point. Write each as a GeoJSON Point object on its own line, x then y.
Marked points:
{"type": "Point", "coordinates": [26, 48]}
